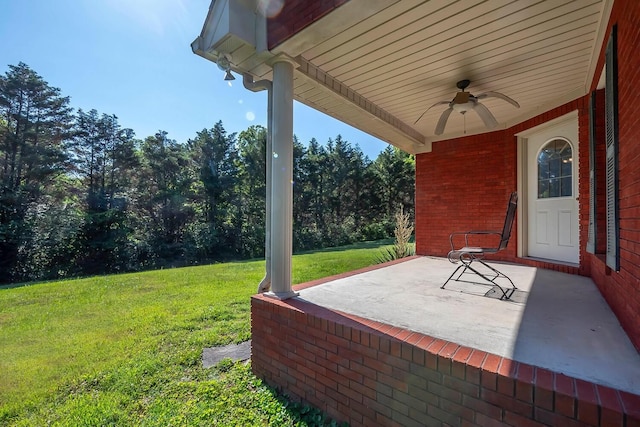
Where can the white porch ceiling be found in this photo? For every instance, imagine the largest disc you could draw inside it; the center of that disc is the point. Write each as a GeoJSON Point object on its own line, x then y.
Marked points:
{"type": "Point", "coordinates": [378, 65]}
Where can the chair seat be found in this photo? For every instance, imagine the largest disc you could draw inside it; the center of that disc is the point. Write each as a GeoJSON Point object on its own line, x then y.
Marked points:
{"type": "Point", "coordinates": [456, 254]}
{"type": "Point", "coordinates": [472, 250]}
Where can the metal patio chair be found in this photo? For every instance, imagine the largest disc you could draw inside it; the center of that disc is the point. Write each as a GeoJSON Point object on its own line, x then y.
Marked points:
{"type": "Point", "coordinates": [468, 255]}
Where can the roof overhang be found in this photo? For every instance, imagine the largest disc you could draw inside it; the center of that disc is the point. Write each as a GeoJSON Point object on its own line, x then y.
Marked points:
{"type": "Point", "coordinates": [379, 64]}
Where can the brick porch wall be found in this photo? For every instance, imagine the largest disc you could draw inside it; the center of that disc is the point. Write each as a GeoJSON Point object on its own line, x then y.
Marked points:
{"type": "Point", "coordinates": [369, 374]}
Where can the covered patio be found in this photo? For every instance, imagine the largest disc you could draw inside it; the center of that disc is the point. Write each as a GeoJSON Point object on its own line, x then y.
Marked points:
{"type": "Point", "coordinates": [386, 345]}
{"type": "Point", "coordinates": [555, 320]}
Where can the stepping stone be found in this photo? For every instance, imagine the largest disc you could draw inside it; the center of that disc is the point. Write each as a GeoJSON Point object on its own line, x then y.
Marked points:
{"type": "Point", "coordinates": [213, 355]}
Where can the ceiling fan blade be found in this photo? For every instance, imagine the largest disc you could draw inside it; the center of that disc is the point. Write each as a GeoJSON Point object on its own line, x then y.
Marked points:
{"type": "Point", "coordinates": [443, 121]}
{"type": "Point", "coordinates": [498, 95]}
{"type": "Point", "coordinates": [425, 111]}
{"type": "Point", "coordinates": [489, 121]}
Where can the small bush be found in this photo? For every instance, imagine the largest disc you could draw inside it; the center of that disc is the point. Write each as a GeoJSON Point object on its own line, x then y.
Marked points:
{"type": "Point", "coordinates": [402, 233]}
{"type": "Point", "coordinates": [377, 230]}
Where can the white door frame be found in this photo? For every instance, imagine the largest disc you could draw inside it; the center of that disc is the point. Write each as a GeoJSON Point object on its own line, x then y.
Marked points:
{"type": "Point", "coordinates": [522, 171]}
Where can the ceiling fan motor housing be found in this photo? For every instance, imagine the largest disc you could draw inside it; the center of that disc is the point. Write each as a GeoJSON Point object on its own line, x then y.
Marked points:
{"type": "Point", "coordinates": [462, 98]}
{"type": "Point", "coordinates": [463, 102]}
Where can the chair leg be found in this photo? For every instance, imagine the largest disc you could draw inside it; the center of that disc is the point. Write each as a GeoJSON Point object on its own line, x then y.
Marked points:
{"type": "Point", "coordinates": [506, 293]}
{"type": "Point", "coordinates": [498, 273]}
{"type": "Point", "coordinates": [453, 274]}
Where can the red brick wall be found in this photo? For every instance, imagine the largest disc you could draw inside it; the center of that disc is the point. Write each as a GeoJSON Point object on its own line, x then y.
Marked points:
{"type": "Point", "coordinates": [296, 15]}
{"type": "Point", "coordinates": [369, 374]}
{"type": "Point", "coordinates": [622, 289]}
{"type": "Point", "coordinates": [466, 183]}
{"type": "Point", "coordinates": [468, 180]}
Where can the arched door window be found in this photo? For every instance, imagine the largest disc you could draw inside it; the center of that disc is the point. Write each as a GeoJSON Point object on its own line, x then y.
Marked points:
{"type": "Point", "coordinates": [555, 170]}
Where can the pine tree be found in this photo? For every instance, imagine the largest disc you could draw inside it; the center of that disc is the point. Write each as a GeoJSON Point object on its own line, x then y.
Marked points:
{"type": "Point", "coordinates": [164, 199]}
{"type": "Point", "coordinates": [215, 157]}
{"type": "Point", "coordinates": [35, 124]}
{"type": "Point", "coordinates": [251, 190]}
{"type": "Point", "coordinates": [104, 156]}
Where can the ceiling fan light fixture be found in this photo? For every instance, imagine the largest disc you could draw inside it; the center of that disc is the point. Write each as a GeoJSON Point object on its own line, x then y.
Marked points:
{"type": "Point", "coordinates": [224, 64]}
{"type": "Point", "coordinates": [224, 61]}
{"type": "Point", "coordinates": [463, 108]}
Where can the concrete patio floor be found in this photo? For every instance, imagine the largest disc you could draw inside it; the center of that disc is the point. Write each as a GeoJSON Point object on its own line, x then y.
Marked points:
{"type": "Point", "coordinates": [562, 322]}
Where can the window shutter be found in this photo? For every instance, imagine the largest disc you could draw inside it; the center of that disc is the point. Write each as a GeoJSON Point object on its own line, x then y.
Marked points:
{"type": "Point", "coordinates": [611, 127]}
{"type": "Point", "coordinates": [591, 239]}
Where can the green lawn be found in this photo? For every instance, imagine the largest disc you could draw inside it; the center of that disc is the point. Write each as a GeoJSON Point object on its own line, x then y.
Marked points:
{"type": "Point", "coordinates": [126, 349]}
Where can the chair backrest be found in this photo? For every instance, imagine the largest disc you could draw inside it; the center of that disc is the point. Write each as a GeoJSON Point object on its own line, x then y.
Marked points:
{"type": "Point", "coordinates": [508, 221]}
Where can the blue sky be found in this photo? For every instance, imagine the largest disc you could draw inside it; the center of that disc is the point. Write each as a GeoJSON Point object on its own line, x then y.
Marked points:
{"type": "Point", "coordinates": [132, 58]}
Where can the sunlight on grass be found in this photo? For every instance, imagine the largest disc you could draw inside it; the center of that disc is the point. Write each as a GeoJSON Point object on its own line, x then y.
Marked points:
{"type": "Point", "coordinates": [125, 349]}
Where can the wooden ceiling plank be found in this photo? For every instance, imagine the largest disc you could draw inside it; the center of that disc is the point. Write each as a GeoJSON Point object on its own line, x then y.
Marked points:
{"type": "Point", "coordinates": [379, 92]}
{"type": "Point", "coordinates": [489, 77]}
{"type": "Point", "coordinates": [360, 28]}
{"type": "Point", "coordinates": [412, 72]}
{"type": "Point", "coordinates": [442, 24]}
{"type": "Point", "coordinates": [427, 57]}
{"type": "Point", "coordinates": [449, 36]}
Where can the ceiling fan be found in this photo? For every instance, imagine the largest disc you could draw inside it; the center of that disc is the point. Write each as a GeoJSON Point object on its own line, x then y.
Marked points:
{"type": "Point", "coordinates": [465, 101]}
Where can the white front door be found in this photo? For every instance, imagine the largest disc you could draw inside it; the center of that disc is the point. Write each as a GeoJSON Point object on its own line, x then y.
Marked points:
{"type": "Point", "coordinates": [552, 189]}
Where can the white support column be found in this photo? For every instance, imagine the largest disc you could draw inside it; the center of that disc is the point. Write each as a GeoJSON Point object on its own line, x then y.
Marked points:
{"type": "Point", "coordinates": [282, 180]}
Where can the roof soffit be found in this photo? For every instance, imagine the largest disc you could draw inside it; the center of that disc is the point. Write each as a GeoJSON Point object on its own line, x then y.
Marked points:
{"type": "Point", "coordinates": [378, 64]}
{"type": "Point", "coordinates": [398, 61]}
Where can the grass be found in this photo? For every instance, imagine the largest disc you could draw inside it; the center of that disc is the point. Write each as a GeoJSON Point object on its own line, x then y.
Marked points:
{"type": "Point", "coordinates": [126, 349]}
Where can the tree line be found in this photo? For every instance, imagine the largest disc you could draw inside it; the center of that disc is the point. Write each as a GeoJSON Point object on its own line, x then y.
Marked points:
{"type": "Point", "coordinates": [81, 195]}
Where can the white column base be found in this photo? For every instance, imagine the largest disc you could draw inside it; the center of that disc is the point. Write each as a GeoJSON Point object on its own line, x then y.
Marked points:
{"type": "Point", "coordinates": [281, 295]}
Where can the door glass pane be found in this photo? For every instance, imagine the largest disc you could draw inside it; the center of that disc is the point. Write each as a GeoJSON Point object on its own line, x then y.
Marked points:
{"type": "Point", "coordinates": [565, 186]}
{"type": "Point", "coordinates": [543, 189]}
{"type": "Point", "coordinates": [555, 169]}
{"type": "Point", "coordinates": [566, 168]}
{"type": "Point", "coordinates": [554, 187]}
